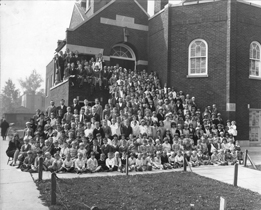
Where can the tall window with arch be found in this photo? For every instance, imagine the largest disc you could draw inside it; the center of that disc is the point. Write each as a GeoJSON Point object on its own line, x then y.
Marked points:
{"type": "Point", "coordinates": [255, 61]}
{"type": "Point", "coordinates": [198, 58]}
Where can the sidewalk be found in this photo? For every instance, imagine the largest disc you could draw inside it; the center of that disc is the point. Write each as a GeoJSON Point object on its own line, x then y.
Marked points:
{"type": "Point", "coordinates": [247, 178]}
{"type": "Point", "coordinates": [255, 154]}
{"type": "Point", "coordinates": [17, 189]}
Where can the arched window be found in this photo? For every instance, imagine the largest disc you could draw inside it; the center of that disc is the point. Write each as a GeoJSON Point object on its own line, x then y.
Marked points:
{"type": "Point", "coordinates": [255, 61]}
{"type": "Point", "coordinates": [122, 51]}
{"type": "Point", "coordinates": [198, 58]}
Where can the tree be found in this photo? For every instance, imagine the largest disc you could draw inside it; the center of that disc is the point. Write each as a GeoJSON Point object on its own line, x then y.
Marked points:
{"type": "Point", "coordinates": [32, 83]}
{"type": "Point", "coordinates": [10, 97]}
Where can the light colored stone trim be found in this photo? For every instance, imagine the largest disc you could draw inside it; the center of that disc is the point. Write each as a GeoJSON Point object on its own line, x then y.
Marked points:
{"type": "Point", "coordinates": [122, 21]}
{"type": "Point", "coordinates": [85, 49]}
{"type": "Point", "coordinates": [142, 62]}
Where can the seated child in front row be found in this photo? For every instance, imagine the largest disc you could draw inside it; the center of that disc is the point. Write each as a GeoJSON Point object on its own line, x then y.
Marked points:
{"type": "Point", "coordinates": [132, 162]}
{"type": "Point", "coordinates": [194, 159]}
{"type": "Point", "coordinates": [68, 164]}
{"type": "Point", "coordinates": [48, 161]}
{"type": "Point", "coordinates": [102, 162]}
{"type": "Point", "coordinates": [92, 164]}
{"type": "Point", "coordinates": [110, 162]}
{"type": "Point", "coordinates": [28, 162]}
{"type": "Point", "coordinates": [80, 164]}
{"type": "Point", "coordinates": [156, 161]}
{"type": "Point", "coordinates": [57, 163]}
{"type": "Point", "coordinates": [179, 159]}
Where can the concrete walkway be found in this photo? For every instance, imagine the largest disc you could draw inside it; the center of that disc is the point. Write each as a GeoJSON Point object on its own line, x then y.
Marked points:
{"type": "Point", "coordinates": [255, 154]}
{"type": "Point", "coordinates": [17, 189]}
{"type": "Point", "coordinates": [247, 178]}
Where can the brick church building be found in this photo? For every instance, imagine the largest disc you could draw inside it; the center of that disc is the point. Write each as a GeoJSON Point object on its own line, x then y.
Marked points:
{"type": "Point", "coordinates": [209, 49]}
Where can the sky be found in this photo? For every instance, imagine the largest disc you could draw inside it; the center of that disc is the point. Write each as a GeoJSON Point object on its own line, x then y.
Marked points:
{"type": "Point", "coordinates": [30, 30]}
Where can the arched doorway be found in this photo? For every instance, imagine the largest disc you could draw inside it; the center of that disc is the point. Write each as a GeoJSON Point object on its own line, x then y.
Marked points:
{"type": "Point", "coordinates": [124, 56]}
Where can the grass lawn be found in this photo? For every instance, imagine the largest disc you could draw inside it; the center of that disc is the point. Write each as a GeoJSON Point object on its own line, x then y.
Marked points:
{"type": "Point", "coordinates": [164, 191]}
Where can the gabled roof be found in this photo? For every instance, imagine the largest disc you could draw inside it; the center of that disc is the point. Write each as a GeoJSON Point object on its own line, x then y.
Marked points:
{"type": "Point", "coordinates": [85, 18]}
{"type": "Point", "coordinates": [81, 10]}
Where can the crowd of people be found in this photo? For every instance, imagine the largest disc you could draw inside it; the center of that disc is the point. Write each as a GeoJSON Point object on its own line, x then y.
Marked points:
{"type": "Point", "coordinates": [144, 124]}
{"type": "Point", "coordinates": [80, 71]}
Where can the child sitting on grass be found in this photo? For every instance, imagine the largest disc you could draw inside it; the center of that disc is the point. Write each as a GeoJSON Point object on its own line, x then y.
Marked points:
{"type": "Point", "coordinates": [139, 163]}
{"type": "Point", "coordinates": [110, 162]}
{"type": "Point", "coordinates": [165, 160]}
{"type": "Point", "coordinates": [92, 164]}
{"type": "Point", "coordinates": [231, 157]}
{"type": "Point", "coordinates": [102, 162]}
{"type": "Point", "coordinates": [156, 161]}
{"type": "Point", "coordinates": [68, 164]}
{"type": "Point", "coordinates": [132, 162]}
{"type": "Point", "coordinates": [28, 162]}
{"type": "Point", "coordinates": [222, 158]}
{"type": "Point", "coordinates": [172, 159]}
{"type": "Point", "coordinates": [117, 161]}
{"type": "Point", "coordinates": [80, 164]}
{"type": "Point", "coordinates": [57, 163]}
{"type": "Point", "coordinates": [48, 161]}
{"type": "Point", "coordinates": [179, 159]}
{"type": "Point", "coordinates": [194, 159]}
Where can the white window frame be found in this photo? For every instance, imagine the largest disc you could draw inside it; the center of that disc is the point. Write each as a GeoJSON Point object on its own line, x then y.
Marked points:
{"type": "Point", "coordinates": [88, 5]}
{"type": "Point", "coordinates": [251, 76]}
{"type": "Point", "coordinates": [189, 60]}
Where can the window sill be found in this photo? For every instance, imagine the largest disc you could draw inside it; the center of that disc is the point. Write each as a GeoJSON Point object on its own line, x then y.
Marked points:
{"type": "Point", "coordinates": [254, 77]}
{"type": "Point", "coordinates": [197, 76]}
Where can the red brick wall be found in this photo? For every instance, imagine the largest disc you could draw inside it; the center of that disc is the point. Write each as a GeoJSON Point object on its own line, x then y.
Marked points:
{"type": "Point", "coordinates": [58, 93]}
{"type": "Point", "coordinates": [201, 21]}
{"type": "Point", "coordinates": [248, 91]}
{"type": "Point", "coordinates": [105, 36]}
{"type": "Point", "coordinates": [158, 45]}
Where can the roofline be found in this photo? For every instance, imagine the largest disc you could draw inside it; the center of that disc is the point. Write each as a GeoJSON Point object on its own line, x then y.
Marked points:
{"type": "Point", "coordinates": [96, 13]}
{"type": "Point", "coordinates": [142, 8]}
{"type": "Point", "coordinates": [159, 12]}
{"type": "Point", "coordinates": [79, 11]}
{"type": "Point", "coordinates": [249, 3]}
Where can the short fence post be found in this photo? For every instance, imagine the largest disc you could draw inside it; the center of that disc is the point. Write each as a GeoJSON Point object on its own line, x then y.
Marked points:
{"type": "Point", "coordinates": [235, 174]}
{"type": "Point", "coordinates": [40, 171]}
{"type": "Point", "coordinates": [184, 162]}
{"type": "Point", "coordinates": [53, 189]}
{"type": "Point", "coordinates": [245, 158]}
{"type": "Point", "coordinates": [127, 165]}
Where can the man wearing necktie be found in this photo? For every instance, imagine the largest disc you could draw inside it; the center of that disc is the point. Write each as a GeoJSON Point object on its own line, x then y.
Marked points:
{"type": "Point", "coordinates": [82, 116]}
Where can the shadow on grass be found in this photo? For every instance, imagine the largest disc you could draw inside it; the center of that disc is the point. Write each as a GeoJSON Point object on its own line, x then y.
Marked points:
{"type": "Point", "coordinates": [175, 190]}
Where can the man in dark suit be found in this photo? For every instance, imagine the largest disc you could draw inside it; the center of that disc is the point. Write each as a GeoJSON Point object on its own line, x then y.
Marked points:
{"type": "Point", "coordinates": [51, 109]}
{"type": "Point", "coordinates": [82, 116]}
{"type": "Point", "coordinates": [75, 106]}
{"type": "Point", "coordinates": [62, 107]}
{"type": "Point", "coordinates": [98, 130]}
{"type": "Point", "coordinates": [73, 74]}
{"type": "Point", "coordinates": [121, 105]}
{"type": "Point", "coordinates": [61, 63]}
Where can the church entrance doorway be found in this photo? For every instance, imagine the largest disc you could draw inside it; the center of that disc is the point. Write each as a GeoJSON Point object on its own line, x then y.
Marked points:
{"type": "Point", "coordinates": [124, 56]}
